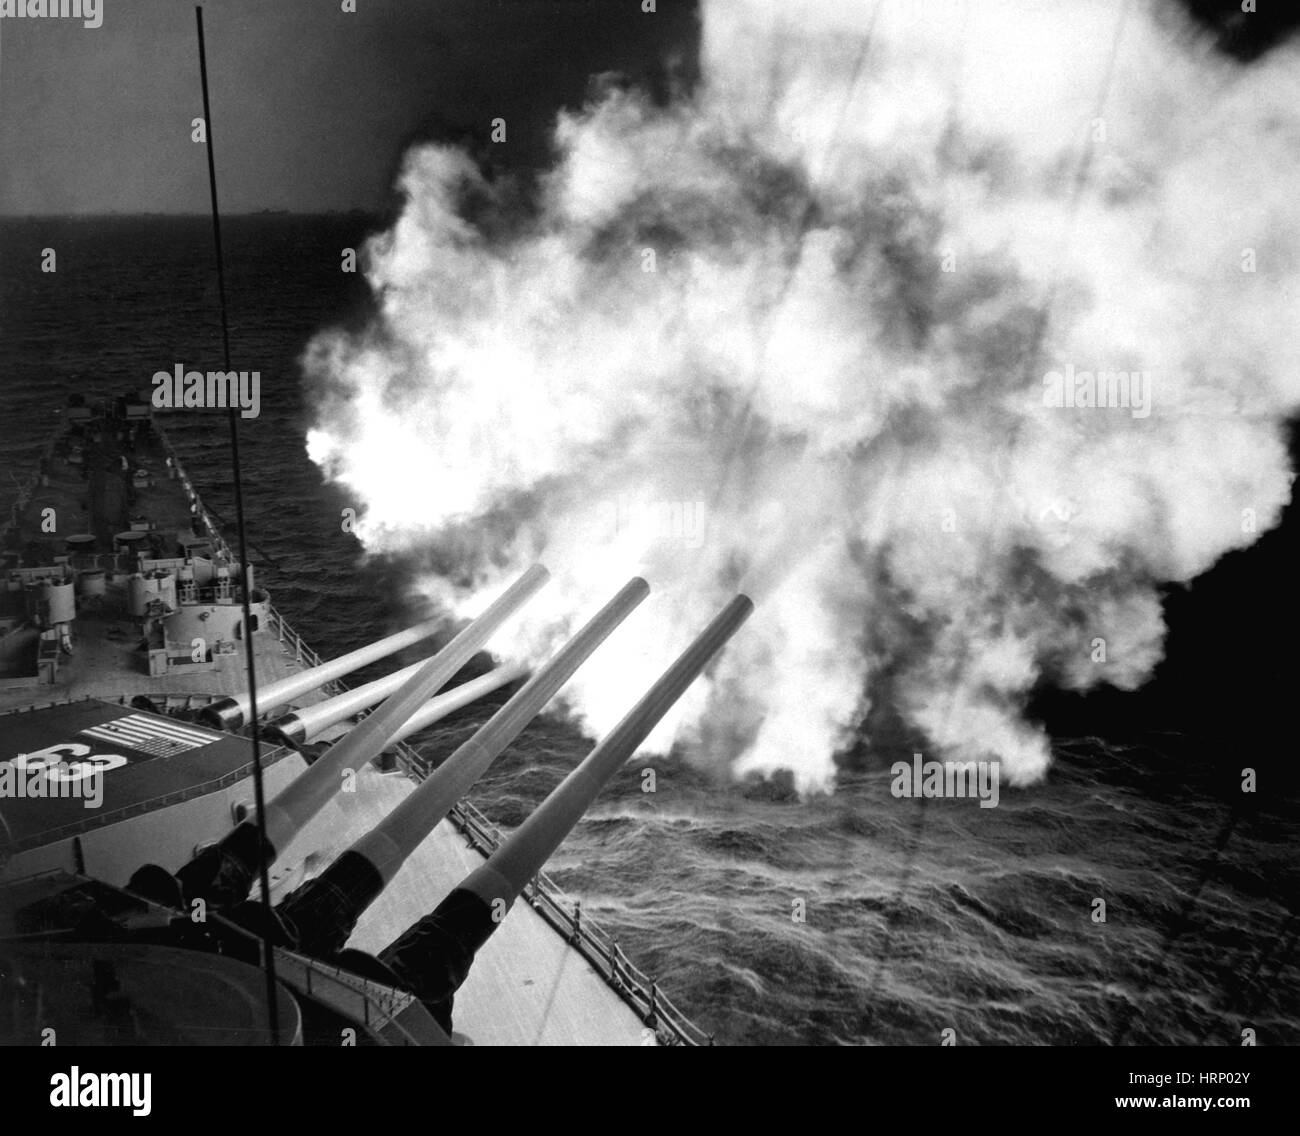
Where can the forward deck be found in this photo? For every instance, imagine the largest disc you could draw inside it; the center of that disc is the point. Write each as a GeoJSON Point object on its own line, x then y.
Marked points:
{"type": "Point", "coordinates": [547, 977]}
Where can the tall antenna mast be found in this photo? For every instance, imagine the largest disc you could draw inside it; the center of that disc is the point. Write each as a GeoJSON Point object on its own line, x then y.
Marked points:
{"type": "Point", "coordinates": [259, 796]}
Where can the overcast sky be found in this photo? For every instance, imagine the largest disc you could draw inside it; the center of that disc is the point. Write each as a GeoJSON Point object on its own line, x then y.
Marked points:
{"type": "Point", "coordinates": [312, 106]}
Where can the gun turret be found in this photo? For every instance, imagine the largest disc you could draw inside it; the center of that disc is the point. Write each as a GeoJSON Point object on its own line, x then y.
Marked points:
{"type": "Point", "coordinates": [305, 724]}
{"type": "Point", "coordinates": [223, 873]}
{"type": "Point", "coordinates": [323, 912]}
{"type": "Point", "coordinates": [233, 711]}
{"type": "Point", "coordinates": [432, 958]}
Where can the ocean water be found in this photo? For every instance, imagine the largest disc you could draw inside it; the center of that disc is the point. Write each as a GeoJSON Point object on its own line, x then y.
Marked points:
{"type": "Point", "coordinates": [918, 917]}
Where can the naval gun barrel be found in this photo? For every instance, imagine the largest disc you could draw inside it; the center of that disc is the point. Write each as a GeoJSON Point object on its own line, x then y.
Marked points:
{"type": "Point", "coordinates": [324, 911]}
{"type": "Point", "coordinates": [437, 708]}
{"type": "Point", "coordinates": [304, 724]}
{"type": "Point", "coordinates": [231, 712]}
{"type": "Point", "coordinates": [432, 958]}
{"type": "Point", "coordinates": [225, 872]}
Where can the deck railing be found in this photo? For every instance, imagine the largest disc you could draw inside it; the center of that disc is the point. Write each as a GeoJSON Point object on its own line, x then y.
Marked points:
{"type": "Point", "coordinates": [598, 947]}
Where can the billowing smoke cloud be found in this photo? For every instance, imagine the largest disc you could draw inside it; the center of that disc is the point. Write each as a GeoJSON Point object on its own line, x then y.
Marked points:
{"type": "Point", "coordinates": [830, 332]}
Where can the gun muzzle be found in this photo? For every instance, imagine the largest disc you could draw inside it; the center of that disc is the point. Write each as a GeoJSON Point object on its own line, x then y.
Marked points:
{"type": "Point", "coordinates": [433, 957]}
{"type": "Point", "coordinates": [324, 911]}
{"type": "Point", "coordinates": [233, 861]}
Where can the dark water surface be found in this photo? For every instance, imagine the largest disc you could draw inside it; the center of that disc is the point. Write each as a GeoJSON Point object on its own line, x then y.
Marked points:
{"type": "Point", "coordinates": [921, 916]}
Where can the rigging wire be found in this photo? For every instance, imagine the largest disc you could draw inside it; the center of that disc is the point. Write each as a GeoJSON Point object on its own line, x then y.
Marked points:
{"type": "Point", "coordinates": [1180, 926]}
{"type": "Point", "coordinates": [744, 424]}
{"type": "Point", "coordinates": [259, 791]}
{"type": "Point", "coordinates": [1082, 172]}
{"type": "Point", "coordinates": [1078, 183]}
{"type": "Point", "coordinates": [1285, 937]}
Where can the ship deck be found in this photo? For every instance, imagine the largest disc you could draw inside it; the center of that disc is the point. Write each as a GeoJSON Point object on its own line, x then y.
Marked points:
{"type": "Point", "coordinates": [96, 497]}
{"type": "Point", "coordinates": [106, 663]}
{"type": "Point", "coordinates": [527, 986]}
{"type": "Point", "coordinates": [152, 758]}
{"type": "Point", "coordinates": [93, 496]}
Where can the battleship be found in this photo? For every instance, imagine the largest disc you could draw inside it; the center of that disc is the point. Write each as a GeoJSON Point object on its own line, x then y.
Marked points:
{"type": "Point", "coordinates": [208, 837]}
{"type": "Point", "coordinates": [134, 913]}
